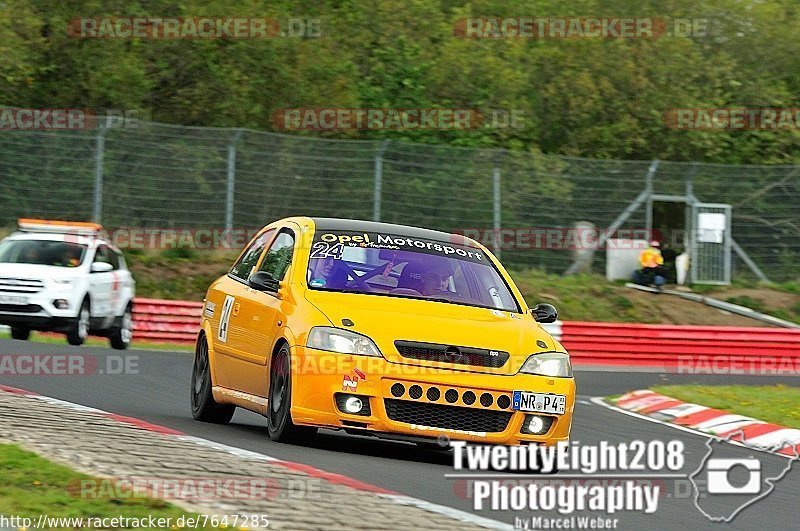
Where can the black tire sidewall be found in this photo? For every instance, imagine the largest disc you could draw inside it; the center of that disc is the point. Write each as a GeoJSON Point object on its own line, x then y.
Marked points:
{"type": "Point", "coordinates": [277, 431]}
{"type": "Point", "coordinates": [73, 338]}
{"type": "Point", "coordinates": [20, 333]}
{"type": "Point", "coordinates": [201, 403]}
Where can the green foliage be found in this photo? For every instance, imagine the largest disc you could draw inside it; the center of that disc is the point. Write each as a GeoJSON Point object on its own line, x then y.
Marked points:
{"type": "Point", "coordinates": [589, 97]}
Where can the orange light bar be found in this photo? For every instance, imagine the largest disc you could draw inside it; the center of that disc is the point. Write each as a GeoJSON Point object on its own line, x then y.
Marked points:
{"type": "Point", "coordinates": [47, 225]}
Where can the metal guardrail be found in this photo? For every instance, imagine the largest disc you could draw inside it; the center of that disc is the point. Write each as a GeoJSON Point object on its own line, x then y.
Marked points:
{"type": "Point", "coordinates": [721, 348]}
{"type": "Point", "coordinates": [166, 321]}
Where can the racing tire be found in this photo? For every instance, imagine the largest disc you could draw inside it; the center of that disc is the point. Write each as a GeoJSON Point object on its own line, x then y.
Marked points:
{"type": "Point", "coordinates": [279, 406]}
{"type": "Point", "coordinates": [79, 327]}
{"type": "Point", "coordinates": [120, 336]}
{"type": "Point", "coordinates": [204, 407]}
{"type": "Point", "coordinates": [20, 332]}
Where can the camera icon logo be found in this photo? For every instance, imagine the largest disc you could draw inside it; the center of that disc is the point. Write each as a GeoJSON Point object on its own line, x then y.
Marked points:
{"type": "Point", "coordinates": [719, 480]}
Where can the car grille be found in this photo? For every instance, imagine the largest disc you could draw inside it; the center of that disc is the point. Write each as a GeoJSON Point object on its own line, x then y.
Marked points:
{"type": "Point", "coordinates": [451, 354]}
{"type": "Point", "coordinates": [20, 285]}
{"type": "Point", "coordinates": [20, 308]}
{"type": "Point", "coordinates": [447, 417]}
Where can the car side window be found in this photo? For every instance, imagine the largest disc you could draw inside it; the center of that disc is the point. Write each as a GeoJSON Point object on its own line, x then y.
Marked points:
{"type": "Point", "coordinates": [279, 255]}
{"type": "Point", "coordinates": [249, 258]}
{"type": "Point", "coordinates": [105, 255]}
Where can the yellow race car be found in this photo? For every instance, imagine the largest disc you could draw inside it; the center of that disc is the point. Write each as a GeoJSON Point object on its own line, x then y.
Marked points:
{"type": "Point", "coordinates": [379, 329]}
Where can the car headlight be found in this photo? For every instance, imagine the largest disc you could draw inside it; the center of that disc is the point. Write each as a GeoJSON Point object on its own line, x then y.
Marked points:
{"type": "Point", "coordinates": [341, 341]}
{"type": "Point", "coordinates": [63, 283]}
{"type": "Point", "coordinates": [548, 364]}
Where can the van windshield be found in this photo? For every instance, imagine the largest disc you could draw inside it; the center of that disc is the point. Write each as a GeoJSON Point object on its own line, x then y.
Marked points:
{"type": "Point", "coordinates": [399, 266]}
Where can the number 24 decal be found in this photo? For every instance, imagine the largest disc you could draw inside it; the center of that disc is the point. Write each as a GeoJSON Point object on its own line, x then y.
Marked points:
{"type": "Point", "coordinates": [225, 317]}
{"type": "Point", "coordinates": [326, 250]}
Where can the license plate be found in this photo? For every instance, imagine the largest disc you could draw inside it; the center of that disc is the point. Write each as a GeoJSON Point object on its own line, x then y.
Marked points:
{"type": "Point", "coordinates": [539, 402]}
{"type": "Point", "coordinates": [13, 299]}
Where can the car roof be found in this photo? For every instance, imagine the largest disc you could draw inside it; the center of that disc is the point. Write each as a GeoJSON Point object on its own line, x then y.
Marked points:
{"type": "Point", "coordinates": [356, 225]}
{"type": "Point", "coordinates": [57, 237]}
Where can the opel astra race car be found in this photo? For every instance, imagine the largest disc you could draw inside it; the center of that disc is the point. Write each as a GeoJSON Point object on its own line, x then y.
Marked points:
{"type": "Point", "coordinates": [62, 277]}
{"type": "Point", "coordinates": [379, 329]}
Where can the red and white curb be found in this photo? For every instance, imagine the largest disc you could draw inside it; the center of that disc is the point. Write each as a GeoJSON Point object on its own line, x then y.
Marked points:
{"type": "Point", "coordinates": [702, 420]}
{"type": "Point", "coordinates": [309, 470]}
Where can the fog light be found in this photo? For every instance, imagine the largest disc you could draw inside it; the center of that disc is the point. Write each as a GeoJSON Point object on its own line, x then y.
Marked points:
{"type": "Point", "coordinates": [536, 424]}
{"type": "Point", "coordinates": [61, 304]}
{"type": "Point", "coordinates": [353, 405]}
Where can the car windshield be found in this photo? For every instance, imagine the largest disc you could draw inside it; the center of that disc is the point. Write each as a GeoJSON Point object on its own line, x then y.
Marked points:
{"type": "Point", "coordinates": [400, 266]}
{"type": "Point", "coordinates": [42, 252]}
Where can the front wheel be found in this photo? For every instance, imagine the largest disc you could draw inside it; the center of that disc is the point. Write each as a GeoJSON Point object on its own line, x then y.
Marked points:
{"type": "Point", "coordinates": [204, 407]}
{"type": "Point", "coordinates": [120, 336]}
{"type": "Point", "coordinates": [79, 327]}
{"type": "Point", "coordinates": [20, 332]}
{"type": "Point", "coordinates": [279, 407]}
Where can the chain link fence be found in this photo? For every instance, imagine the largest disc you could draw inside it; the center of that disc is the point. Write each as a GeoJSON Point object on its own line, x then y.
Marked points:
{"type": "Point", "coordinates": [165, 176]}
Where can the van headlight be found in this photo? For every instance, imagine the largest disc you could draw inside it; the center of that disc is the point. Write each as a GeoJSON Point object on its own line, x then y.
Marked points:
{"type": "Point", "coordinates": [555, 364]}
{"type": "Point", "coordinates": [341, 341]}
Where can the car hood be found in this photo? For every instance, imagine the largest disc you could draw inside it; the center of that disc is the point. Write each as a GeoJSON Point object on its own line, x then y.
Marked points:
{"type": "Point", "coordinates": [386, 319]}
{"type": "Point", "coordinates": [39, 272]}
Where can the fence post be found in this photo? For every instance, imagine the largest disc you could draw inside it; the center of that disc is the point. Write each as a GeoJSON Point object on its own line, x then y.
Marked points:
{"type": "Point", "coordinates": [237, 133]}
{"type": "Point", "coordinates": [648, 186]}
{"type": "Point", "coordinates": [497, 207]}
{"type": "Point", "coordinates": [99, 152]}
{"type": "Point", "coordinates": [378, 192]}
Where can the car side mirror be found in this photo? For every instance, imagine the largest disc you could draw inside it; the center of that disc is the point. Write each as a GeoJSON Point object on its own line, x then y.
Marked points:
{"type": "Point", "coordinates": [544, 313]}
{"type": "Point", "coordinates": [101, 267]}
{"type": "Point", "coordinates": [264, 281]}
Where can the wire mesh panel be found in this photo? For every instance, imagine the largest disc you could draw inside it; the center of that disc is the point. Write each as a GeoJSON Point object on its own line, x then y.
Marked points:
{"type": "Point", "coordinates": [46, 174]}
{"type": "Point", "coordinates": [524, 202]}
{"type": "Point", "coordinates": [711, 243]}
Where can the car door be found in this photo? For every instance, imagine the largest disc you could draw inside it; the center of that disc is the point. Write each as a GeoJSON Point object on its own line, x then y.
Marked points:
{"type": "Point", "coordinates": [101, 285]}
{"type": "Point", "coordinates": [227, 323]}
{"type": "Point", "coordinates": [263, 313]}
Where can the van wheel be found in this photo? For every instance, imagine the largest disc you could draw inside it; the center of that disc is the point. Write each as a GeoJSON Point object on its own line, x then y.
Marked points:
{"type": "Point", "coordinates": [20, 332]}
{"type": "Point", "coordinates": [79, 327]}
{"type": "Point", "coordinates": [279, 406]}
{"type": "Point", "coordinates": [120, 336]}
{"type": "Point", "coordinates": [204, 408]}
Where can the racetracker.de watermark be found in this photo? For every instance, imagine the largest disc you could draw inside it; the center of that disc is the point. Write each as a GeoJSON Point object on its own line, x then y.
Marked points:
{"type": "Point", "coordinates": [726, 364]}
{"type": "Point", "coordinates": [559, 238]}
{"type": "Point", "coordinates": [163, 238]}
{"type": "Point", "coordinates": [733, 119]}
{"type": "Point", "coordinates": [167, 28]}
{"type": "Point", "coordinates": [67, 365]}
{"type": "Point", "coordinates": [585, 27]}
{"type": "Point", "coordinates": [196, 488]}
{"type": "Point", "coordinates": [386, 119]}
{"type": "Point", "coordinates": [29, 119]}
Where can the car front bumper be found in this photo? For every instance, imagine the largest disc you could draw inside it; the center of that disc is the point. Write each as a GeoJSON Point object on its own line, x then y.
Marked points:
{"type": "Point", "coordinates": [426, 412]}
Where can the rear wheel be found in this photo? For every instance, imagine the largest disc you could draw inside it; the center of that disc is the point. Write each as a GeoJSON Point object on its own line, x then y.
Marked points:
{"type": "Point", "coordinates": [204, 408]}
{"type": "Point", "coordinates": [279, 408]}
{"type": "Point", "coordinates": [20, 332]}
{"type": "Point", "coordinates": [120, 336]}
{"type": "Point", "coordinates": [79, 327]}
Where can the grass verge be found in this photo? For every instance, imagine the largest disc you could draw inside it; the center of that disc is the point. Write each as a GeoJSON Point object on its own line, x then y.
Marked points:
{"type": "Point", "coordinates": [770, 403]}
{"type": "Point", "coordinates": [31, 486]}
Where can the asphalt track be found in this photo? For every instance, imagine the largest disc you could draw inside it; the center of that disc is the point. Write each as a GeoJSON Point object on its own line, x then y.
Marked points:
{"type": "Point", "coordinates": [159, 393]}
